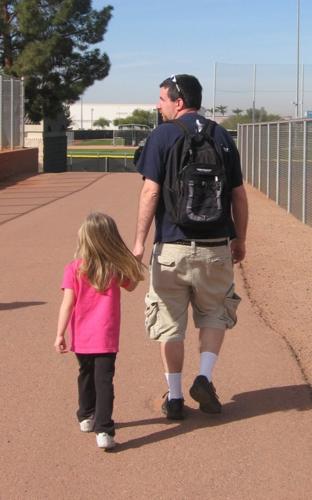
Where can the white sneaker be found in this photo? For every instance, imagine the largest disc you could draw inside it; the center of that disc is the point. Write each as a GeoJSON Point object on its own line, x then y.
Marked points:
{"type": "Point", "coordinates": [87, 425]}
{"type": "Point", "coordinates": [105, 441]}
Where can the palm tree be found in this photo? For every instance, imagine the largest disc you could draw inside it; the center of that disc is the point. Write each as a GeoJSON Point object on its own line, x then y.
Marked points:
{"type": "Point", "coordinates": [237, 111]}
{"type": "Point", "coordinates": [222, 109]}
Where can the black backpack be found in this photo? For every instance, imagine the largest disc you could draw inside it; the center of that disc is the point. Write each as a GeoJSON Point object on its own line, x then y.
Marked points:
{"type": "Point", "coordinates": [195, 188]}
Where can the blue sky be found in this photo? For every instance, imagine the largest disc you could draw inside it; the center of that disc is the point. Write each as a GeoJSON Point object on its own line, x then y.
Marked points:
{"type": "Point", "coordinates": [150, 40]}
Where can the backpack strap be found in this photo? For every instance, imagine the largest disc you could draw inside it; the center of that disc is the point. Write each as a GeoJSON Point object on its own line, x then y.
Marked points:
{"type": "Point", "coordinates": [208, 128]}
{"type": "Point", "coordinates": [181, 125]}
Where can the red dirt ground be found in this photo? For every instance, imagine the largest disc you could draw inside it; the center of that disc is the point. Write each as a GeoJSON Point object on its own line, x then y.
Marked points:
{"type": "Point", "coordinates": [259, 448]}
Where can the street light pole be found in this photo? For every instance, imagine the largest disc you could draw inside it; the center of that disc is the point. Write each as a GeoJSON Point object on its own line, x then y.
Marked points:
{"type": "Point", "coordinates": [92, 118]}
{"type": "Point", "coordinates": [298, 58]}
{"type": "Point", "coordinates": [254, 93]}
{"type": "Point", "coordinates": [214, 90]}
{"type": "Point", "coordinates": [81, 113]}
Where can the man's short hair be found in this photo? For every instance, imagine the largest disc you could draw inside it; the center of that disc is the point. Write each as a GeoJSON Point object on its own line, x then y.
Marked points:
{"type": "Point", "coordinates": [187, 87]}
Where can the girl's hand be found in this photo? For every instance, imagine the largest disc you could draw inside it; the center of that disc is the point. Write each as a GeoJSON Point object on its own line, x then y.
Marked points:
{"type": "Point", "coordinates": [60, 345]}
{"type": "Point", "coordinates": [63, 320]}
{"type": "Point", "coordinates": [129, 285]}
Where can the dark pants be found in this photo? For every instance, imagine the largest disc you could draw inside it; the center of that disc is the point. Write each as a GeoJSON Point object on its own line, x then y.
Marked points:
{"type": "Point", "coordinates": [96, 390]}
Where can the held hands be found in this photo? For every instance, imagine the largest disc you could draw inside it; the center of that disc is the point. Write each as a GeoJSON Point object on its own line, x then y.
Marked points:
{"type": "Point", "coordinates": [60, 345]}
{"type": "Point", "coordinates": [138, 251]}
{"type": "Point", "coordinates": [238, 249]}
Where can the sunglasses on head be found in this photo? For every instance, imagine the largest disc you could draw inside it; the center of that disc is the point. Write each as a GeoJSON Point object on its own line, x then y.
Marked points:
{"type": "Point", "coordinates": [173, 78]}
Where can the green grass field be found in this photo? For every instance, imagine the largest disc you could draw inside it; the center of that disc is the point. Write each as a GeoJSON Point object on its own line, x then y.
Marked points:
{"type": "Point", "coordinates": [119, 141]}
{"type": "Point", "coordinates": [101, 152]}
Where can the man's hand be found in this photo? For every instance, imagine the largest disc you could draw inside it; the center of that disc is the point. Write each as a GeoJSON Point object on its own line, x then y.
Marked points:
{"type": "Point", "coordinates": [240, 217]}
{"type": "Point", "coordinates": [147, 207]}
{"type": "Point", "coordinates": [138, 251]}
{"type": "Point", "coordinates": [238, 249]}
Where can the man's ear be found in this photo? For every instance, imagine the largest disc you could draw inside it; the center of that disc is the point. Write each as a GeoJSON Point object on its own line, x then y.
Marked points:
{"type": "Point", "coordinates": [180, 104]}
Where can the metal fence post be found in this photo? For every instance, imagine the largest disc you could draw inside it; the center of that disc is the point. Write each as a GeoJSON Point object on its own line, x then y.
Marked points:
{"type": "Point", "coordinates": [259, 165]}
{"type": "Point", "coordinates": [289, 169]}
{"type": "Point", "coordinates": [253, 156]}
{"type": "Point", "coordinates": [304, 174]}
{"type": "Point", "coordinates": [240, 146]}
{"type": "Point", "coordinates": [268, 163]}
{"type": "Point", "coordinates": [1, 110]}
{"type": "Point", "coordinates": [22, 111]}
{"type": "Point", "coordinates": [12, 115]}
{"type": "Point", "coordinates": [246, 155]}
{"type": "Point", "coordinates": [277, 163]}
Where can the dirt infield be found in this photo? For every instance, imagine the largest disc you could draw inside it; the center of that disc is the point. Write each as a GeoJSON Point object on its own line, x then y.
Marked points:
{"type": "Point", "coordinates": [277, 275]}
{"type": "Point", "coordinates": [258, 448]}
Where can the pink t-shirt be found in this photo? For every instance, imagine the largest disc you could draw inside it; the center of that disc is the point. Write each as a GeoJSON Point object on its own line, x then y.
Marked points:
{"type": "Point", "coordinates": [95, 321]}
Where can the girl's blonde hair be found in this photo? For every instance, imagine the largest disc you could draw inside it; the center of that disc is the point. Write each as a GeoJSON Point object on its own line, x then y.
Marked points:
{"type": "Point", "coordinates": [104, 254]}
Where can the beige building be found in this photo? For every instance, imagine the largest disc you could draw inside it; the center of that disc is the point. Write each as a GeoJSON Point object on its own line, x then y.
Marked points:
{"type": "Point", "coordinates": [84, 114]}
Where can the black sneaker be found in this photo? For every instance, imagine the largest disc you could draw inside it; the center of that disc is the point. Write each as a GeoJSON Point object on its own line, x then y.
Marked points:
{"type": "Point", "coordinates": [173, 408]}
{"type": "Point", "coordinates": [205, 394]}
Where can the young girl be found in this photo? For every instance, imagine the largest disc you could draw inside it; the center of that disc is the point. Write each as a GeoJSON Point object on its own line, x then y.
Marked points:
{"type": "Point", "coordinates": [91, 304]}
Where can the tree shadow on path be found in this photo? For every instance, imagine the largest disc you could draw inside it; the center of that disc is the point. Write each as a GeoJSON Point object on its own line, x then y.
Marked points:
{"type": "Point", "coordinates": [15, 179]}
{"type": "Point", "coordinates": [242, 406]}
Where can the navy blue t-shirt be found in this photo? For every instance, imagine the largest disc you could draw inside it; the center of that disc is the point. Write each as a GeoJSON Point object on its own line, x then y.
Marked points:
{"type": "Point", "coordinates": [152, 163]}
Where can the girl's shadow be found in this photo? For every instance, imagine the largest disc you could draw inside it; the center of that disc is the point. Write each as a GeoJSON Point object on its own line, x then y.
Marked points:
{"type": "Point", "coordinates": [4, 306]}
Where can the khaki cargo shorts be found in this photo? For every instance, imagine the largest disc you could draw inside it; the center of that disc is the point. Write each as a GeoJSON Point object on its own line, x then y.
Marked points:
{"type": "Point", "coordinates": [181, 275]}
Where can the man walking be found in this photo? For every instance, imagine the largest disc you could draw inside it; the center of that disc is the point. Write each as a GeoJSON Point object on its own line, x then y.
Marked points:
{"type": "Point", "coordinates": [187, 266]}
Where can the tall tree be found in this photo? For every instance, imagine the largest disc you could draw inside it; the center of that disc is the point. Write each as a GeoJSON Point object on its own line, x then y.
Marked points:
{"type": "Point", "coordinates": [101, 122]}
{"type": "Point", "coordinates": [261, 115]}
{"type": "Point", "coordinates": [140, 117]}
{"type": "Point", "coordinates": [48, 42]}
{"type": "Point", "coordinates": [237, 111]}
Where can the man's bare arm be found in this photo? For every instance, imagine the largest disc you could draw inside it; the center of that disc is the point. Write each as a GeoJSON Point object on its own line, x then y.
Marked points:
{"type": "Point", "coordinates": [147, 207]}
{"type": "Point", "coordinates": [240, 217]}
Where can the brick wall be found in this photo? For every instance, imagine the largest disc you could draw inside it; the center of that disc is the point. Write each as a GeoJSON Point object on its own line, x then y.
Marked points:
{"type": "Point", "coordinates": [18, 162]}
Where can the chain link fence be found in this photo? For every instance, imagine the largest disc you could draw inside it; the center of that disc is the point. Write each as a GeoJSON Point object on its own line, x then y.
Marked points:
{"type": "Point", "coordinates": [100, 163]}
{"type": "Point", "coordinates": [276, 158]}
{"type": "Point", "coordinates": [11, 112]}
{"type": "Point", "coordinates": [269, 86]}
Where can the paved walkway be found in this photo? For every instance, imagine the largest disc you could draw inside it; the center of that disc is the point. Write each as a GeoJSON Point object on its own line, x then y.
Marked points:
{"type": "Point", "coordinates": [259, 448]}
{"type": "Point", "coordinates": [23, 195]}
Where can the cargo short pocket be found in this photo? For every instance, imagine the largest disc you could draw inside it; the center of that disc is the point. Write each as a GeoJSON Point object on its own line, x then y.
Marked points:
{"type": "Point", "coordinates": [231, 303]}
{"type": "Point", "coordinates": [151, 312]}
{"type": "Point", "coordinates": [165, 260]}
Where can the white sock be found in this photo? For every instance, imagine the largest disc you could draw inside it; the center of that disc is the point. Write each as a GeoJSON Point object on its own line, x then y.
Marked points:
{"type": "Point", "coordinates": [174, 385]}
{"type": "Point", "coordinates": [207, 362]}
